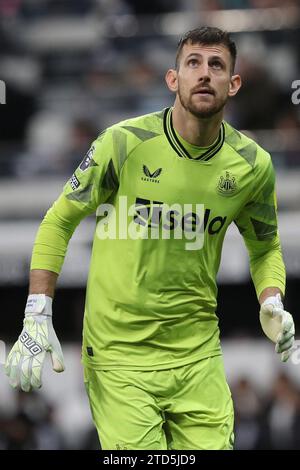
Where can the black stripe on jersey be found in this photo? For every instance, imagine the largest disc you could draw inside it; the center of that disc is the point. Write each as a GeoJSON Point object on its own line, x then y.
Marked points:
{"type": "Point", "coordinates": [218, 144]}
{"type": "Point", "coordinates": [169, 135]}
{"type": "Point", "coordinates": [180, 149]}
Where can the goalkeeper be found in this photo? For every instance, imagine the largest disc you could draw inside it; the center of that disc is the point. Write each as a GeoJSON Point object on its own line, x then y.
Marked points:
{"type": "Point", "coordinates": [153, 366]}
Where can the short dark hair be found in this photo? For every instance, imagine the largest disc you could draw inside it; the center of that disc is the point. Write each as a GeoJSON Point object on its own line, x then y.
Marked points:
{"type": "Point", "coordinates": [207, 35]}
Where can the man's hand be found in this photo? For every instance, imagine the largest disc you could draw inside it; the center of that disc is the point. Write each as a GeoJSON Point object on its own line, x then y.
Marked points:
{"type": "Point", "coordinates": [278, 325]}
{"type": "Point", "coordinates": [26, 359]}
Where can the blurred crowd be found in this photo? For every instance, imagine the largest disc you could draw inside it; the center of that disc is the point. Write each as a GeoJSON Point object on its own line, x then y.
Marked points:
{"type": "Point", "coordinates": [263, 421]}
{"type": "Point", "coordinates": [73, 68]}
{"type": "Point", "coordinates": [270, 421]}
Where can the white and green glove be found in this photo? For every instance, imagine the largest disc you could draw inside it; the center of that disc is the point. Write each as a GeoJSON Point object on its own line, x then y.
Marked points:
{"type": "Point", "coordinates": [278, 325]}
{"type": "Point", "coordinates": [26, 359]}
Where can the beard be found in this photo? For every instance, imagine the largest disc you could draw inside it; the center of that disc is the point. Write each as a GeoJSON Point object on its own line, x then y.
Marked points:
{"type": "Point", "coordinates": [203, 109]}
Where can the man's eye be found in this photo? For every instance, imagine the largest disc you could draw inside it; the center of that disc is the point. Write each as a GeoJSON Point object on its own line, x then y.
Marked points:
{"type": "Point", "coordinates": [193, 62]}
{"type": "Point", "coordinates": [216, 64]}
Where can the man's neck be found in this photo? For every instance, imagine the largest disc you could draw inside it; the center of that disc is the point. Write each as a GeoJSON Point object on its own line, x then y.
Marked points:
{"type": "Point", "coordinates": [196, 131]}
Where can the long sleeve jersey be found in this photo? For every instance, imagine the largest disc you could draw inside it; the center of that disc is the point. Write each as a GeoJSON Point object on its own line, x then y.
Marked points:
{"type": "Point", "coordinates": [162, 211]}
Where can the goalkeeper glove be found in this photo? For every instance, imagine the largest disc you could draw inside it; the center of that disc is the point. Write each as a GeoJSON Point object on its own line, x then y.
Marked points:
{"type": "Point", "coordinates": [278, 325]}
{"type": "Point", "coordinates": [26, 359]}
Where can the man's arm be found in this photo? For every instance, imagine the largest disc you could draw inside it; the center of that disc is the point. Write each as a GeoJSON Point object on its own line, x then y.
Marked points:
{"type": "Point", "coordinates": [269, 292]}
{"type": "Point", "coordinates": [257, 223]}
{"type": "Point", "coordinates": [92, 183]}
{"type": "Point", "coordinates": [42, 282]}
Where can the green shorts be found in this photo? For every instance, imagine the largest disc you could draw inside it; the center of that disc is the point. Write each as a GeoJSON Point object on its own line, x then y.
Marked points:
{"type": "Point", "coordinates": [188, 407]}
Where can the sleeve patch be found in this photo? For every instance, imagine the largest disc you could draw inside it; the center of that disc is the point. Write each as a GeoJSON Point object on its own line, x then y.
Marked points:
{"type": "Point", "coordinates": [88, 159]}
{"type": "Point", "coordinates": [74, 182]}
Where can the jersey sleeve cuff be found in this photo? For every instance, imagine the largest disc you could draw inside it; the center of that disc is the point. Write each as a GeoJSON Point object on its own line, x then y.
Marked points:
{"type": "Point", "coordinates": [269, 282]}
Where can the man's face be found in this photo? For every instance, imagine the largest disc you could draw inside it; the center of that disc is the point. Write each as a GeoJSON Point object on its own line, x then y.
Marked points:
{"type": "Point", "coordinates": [204, 78]}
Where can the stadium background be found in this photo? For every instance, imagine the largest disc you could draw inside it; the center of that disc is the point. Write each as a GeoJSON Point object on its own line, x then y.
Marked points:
{"type": "Point", "coordinates": [72, 68]}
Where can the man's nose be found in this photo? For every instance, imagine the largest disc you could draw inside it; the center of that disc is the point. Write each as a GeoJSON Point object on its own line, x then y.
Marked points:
{"type": "Point", "coordinates": [204, 74]}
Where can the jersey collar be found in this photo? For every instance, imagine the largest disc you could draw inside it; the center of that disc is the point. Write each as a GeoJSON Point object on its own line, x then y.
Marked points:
{"type": "Point", "coordinates": [180, 149]}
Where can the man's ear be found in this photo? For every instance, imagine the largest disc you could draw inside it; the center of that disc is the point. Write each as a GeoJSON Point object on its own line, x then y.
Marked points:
{"type": "Point", "coordinates": [171, 80]}
{"type": "Point", "coordinates": [235, 85]}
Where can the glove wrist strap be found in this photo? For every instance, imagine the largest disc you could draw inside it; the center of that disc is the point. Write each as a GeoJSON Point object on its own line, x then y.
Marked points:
{"type": "Point", "coordinates": [38, 304]}
{"type": "Point", "coordinates": [274, 300]}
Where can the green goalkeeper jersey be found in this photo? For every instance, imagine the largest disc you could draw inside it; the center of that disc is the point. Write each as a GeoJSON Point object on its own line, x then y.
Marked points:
{"type": "Point", "coordinates": [151, 293]}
